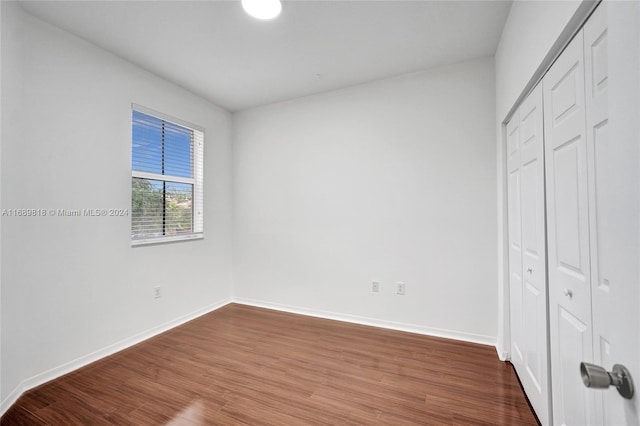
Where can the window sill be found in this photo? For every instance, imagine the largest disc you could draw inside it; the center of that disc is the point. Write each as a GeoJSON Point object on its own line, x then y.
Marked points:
{"type": "Point", "coordinates": [165, 240]}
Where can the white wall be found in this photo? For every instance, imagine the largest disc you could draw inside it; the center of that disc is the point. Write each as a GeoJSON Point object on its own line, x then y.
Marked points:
{"type": "Point", "coordinates": [73, 288]}
{"type": "Point", "coordinates": [389, 181]}
{"type": "Point", "coordinates": [531, 30]}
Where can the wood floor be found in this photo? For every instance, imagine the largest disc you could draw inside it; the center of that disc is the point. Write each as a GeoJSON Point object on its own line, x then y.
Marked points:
{"type": "Point", "coordinates": [245, 365]}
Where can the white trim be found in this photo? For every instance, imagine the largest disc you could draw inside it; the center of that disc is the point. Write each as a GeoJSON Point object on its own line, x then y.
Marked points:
{"type": "Point", "coordinates": [163, 178]}
{"type": "Point", "coordinates": [198, 184]}
{"type": "Point", "coordinates": [84, 360]}
{"type": "Point", "coordinates": [504, 293]}
{"type": "Point", "coordinates": [167, 239]}
{"type": "Point", "coordinates": [503, 355]}
{"type": "Point", "coordinates": [355, 319]}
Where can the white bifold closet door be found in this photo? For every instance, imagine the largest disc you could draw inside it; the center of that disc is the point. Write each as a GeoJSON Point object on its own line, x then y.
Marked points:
{"type": "Point", "coordinates": [527, 252]}
{"type": "Point", "coordinates": [568, 220]}
{"type": "Point", "coordinates": [592, 214]}
{"type": "Point", "coordinates": [612, 46]}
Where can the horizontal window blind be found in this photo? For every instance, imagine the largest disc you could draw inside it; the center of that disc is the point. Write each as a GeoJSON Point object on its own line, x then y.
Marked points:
{"type": "Point", "coordinates": [167, 175]}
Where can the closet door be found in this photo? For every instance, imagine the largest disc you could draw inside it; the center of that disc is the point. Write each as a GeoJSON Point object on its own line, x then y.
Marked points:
{"type": "Point", "coordinates": [527, 262]}
{"type": "Point", "coordinates": [601, 165]}
{"type": "Point", "coordinates": [614, 215]}
{"type": "Point", "coordinates": [568, 236]}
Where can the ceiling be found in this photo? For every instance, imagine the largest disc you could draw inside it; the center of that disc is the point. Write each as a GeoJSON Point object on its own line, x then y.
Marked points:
{"type": "Point", "coordinates": [214, 49]}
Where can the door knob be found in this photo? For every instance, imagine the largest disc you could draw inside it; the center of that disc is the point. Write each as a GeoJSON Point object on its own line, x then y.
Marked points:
{"type": "Point", "coordinates": [568, 293]}
{"type": "Point", "coordinates": [594, 376]}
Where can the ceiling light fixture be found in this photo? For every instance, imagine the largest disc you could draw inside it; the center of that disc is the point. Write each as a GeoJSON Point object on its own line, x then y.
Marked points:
{"type": "Point", "coordinates": [262, 9]}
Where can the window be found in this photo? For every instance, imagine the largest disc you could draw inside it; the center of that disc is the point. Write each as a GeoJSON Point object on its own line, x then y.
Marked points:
{"type": "Point", "coordinates": [166, 178]}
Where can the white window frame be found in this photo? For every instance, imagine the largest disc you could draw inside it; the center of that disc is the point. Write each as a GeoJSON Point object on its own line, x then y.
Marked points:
{"type": "Point", "coordinates": [197, 180]}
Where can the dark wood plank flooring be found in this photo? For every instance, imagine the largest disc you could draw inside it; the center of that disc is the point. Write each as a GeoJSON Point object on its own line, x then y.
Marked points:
{"type": "Point", "coordinates": [245, 365]}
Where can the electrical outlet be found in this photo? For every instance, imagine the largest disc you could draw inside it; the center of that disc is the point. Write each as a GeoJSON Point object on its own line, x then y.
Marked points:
{"type": "Point", "coordinates": [375, 286]}
{"type": "Point", "coordinates": [400, 288]}
{"type": "Point", "coordinates": [156, 292]}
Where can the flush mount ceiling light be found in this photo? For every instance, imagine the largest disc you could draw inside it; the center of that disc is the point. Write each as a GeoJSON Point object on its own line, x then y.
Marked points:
{"type": "Point", "coordinates": [262, 9]}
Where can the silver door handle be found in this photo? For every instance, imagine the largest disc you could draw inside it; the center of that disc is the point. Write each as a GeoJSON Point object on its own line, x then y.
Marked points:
{"type": "Point", "coordinates": [596, 377]}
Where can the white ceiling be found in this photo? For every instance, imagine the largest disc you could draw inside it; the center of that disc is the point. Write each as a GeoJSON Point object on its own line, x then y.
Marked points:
{"type": "Point", "coordinates": [213, 49]}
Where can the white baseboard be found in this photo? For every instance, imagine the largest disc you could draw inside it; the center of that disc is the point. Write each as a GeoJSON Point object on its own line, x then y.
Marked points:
{"type": "Point", "coordinates": [411, 328]}
{"type": "Point", "coordinates": [84, 360]}
{"type": "Point", "coordinates": [503, 354]}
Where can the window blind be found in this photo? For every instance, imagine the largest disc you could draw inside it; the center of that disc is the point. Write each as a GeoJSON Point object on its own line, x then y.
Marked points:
{"type": "Point", "coordinates": [167, 177]}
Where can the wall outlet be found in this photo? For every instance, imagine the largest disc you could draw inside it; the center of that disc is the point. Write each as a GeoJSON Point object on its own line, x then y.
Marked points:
{"type": "Point", "coordinates": [400, 288]}
{"type": "Point", "coordinates": [156, 292]}
{"type": "Point", "coordinates": [375, 286]}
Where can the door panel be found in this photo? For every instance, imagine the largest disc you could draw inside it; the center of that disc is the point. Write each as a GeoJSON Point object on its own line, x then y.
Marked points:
{"type": "Point", "coordinates": [576, 343]}
{"type": "Point", "coordinates": [534, 321]}
{"type": "Point", "coordinates": [569, 190]}
{"type": "Point", "coordinates": [613, 205]}
{"type": "Point", "coordinates": [534, 266]}
{"type": "Point", "coordinates": [528, 251]}
{"type": "Point", "coordinates": [513, 142]}
{"type": "Point", "coordinates": [564, 94]}
{"type": "Point", "coordinates": [530, 215]}
{"type": "Point", "coordinates": [515, 239]}
{"type": "Point", "coordinates": [600, 162]}
{"type": "Point", "coordinates": [568, 235]}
